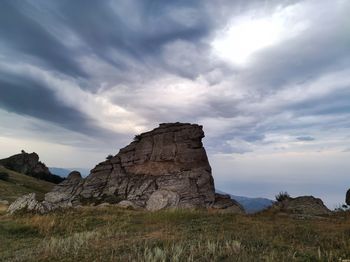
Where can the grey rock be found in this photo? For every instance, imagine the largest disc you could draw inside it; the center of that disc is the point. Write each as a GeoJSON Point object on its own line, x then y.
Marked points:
{"type": "Point", "coordinates": [163, 168]}
{"type": "Point", "coordinates": [161, 199]}
{"type": "Point", "coordinates": [170, 157]}
{"type": "Point", "coordinates": [303, 205]}
{"type": "Point", "coordinates": [28, 203]}
{"type": "Point", "coordinates": [226, 204]}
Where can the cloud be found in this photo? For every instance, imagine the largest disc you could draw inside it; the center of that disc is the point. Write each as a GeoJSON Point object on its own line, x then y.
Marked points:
{"type": "Point", "coordinates": [305, 138]}
{"type": "Point", "coordinates": [90, 75]}
{"type": "Point", "coordinates": [26, 39]}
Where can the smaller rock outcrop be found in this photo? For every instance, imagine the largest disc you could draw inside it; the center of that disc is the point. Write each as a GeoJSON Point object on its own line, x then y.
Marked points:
{"type": "Point", "coordinates": [303, 205]}
{"type": "Point", "coordinates": [28, 203]}
{"type": "Point", "coordinates": [347, 198]}
{"type": "Point", "coordinates": [225, 204]}
{"type": "Point", "coordinates": [30, 165]}
{"type": "Point", "coordinates": [61, 195]}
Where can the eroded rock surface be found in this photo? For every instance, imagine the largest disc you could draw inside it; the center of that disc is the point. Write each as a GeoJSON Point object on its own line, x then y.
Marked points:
{"type": "Point", "coordinates": [28, 203]}
{"type": "Point", "coordinates": [164, 168]}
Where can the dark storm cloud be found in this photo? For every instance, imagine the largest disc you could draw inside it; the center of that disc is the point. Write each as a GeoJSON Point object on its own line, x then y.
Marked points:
{"type": "Point", "coordinates": [137, 29]}
{"type": "Point", "coordinates": [26, 96]}
{"type": "Point", "coordinates": [136, 43]}
{"type": "Point", "coordinates": [22, 36]}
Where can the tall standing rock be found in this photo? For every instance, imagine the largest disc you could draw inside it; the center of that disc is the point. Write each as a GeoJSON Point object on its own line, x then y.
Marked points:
{"type": "Point", "coordinates": [166, 167]}
{"type": "Point", "coordinates": [347, 198]}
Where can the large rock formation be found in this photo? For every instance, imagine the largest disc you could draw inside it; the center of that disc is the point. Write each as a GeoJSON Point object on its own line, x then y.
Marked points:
{"type": "Point", "coordinates": [347, 198]}
{"type": "Point", "coordinates": [164, 168]}
{"type": "Point", "coordinates": [30, 165]}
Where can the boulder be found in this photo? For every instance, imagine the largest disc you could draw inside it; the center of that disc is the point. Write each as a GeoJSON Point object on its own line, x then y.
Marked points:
{"type": "Point", "coordinates": [226, 204]}
{"type": "Point", "coordinates": [347, 198]}
{"type": "Point", "coordinates": [303, 205]}
{"type": "Point", "coordinates": [161, 199]}
{"type": "Point", "coordinates": [28, 203]}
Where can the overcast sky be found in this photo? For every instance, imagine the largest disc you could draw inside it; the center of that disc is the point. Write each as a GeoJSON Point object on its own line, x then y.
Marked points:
{"type": "Point", "coordinates": [268, 80]}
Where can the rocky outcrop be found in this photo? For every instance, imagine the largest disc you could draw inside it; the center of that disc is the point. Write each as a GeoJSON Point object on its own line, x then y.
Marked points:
{"type": "Point", "coordinates": [226, 204]}
{"type": "Point", "coordinates": [347, 198]}
{"type": "Point", "coordinates": [30, 165]}
{"type": "Point", "coordinates": [303, 205]}
{"type": "Point", "coordinates": [164, 168]}
{"type": "Point", "coordinates": [29, 203]}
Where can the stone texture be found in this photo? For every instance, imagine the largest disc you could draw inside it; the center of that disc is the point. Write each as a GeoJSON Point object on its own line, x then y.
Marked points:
{"type": "Point", "coordinates": [162, 199]}
{"type": "Point", "coordinates": [170, 157]}
{"type": "Point", "coordinates": [62, 194]}
{"type": "Point", "coordinates": [28, 203]}
{"type": "Point", "coordinates": [303, 205]}
{"type": "Point", "coordinates": [226, 204]}
{"type": "Point", "coordinates": [347, 198]}
{"type": "Point", "coordinates": [163, 168]}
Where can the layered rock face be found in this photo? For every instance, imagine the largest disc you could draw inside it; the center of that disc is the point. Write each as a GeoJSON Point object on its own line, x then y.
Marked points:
{"type": "Point", "coordinates": [166, 167]}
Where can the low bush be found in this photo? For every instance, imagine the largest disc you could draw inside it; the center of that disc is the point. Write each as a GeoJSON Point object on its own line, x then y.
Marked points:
{"type": "Point", "coordinates": [281, 196]}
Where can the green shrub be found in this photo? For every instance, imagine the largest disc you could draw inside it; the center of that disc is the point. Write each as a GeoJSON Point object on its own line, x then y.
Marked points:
{"type": "Point", "coordinates": [281, 196]}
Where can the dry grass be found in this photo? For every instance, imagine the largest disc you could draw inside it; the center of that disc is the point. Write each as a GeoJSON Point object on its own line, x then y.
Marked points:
{"type": "Point", "coordinates": [112, 234]}
{"type": "Point", "coordinates": [3, 209]}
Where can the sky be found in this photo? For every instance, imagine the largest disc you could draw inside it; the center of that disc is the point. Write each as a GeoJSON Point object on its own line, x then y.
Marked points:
{"type": "Point", "coordinates": [268, 80]}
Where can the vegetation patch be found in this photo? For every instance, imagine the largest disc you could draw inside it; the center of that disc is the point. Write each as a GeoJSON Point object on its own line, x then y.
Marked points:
{"type": "Point", "coordinates": [115, 234]}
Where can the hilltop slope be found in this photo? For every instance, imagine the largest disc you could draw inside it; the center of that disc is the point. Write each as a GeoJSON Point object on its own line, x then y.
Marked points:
{"type": "Point", "coordinates": [13, 185]}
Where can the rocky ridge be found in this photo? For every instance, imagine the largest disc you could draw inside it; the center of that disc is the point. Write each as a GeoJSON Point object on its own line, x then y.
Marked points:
{"type": "Point", "coordinates": [163, 168]}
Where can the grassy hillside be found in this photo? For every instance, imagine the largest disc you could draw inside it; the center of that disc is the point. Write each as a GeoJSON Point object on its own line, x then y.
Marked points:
{"type": "Point", "coordinates": [112, 234]}
{"type": "Point", "coordinates": [13, 185]}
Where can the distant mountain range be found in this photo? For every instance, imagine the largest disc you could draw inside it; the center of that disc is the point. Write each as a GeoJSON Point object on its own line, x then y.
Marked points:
{"type": "Point", "coordinates": [250, 204]}
{"type": "Point", "coordinates": [64, 172]}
